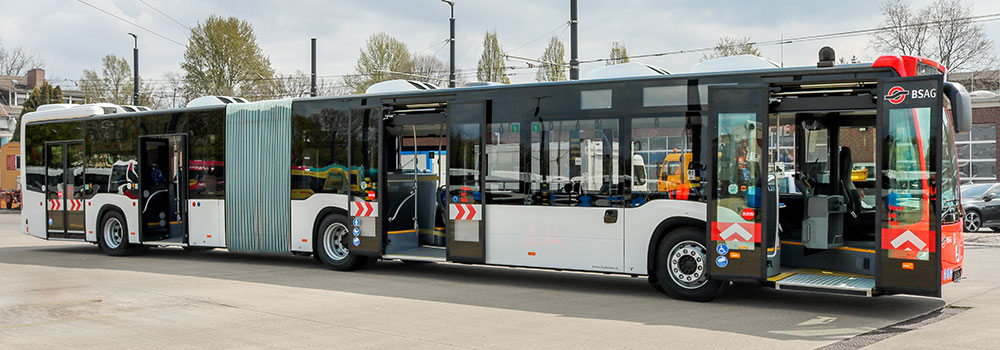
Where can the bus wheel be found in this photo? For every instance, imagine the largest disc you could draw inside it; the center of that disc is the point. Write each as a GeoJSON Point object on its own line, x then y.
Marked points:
{"type": "Point", "coordinates": [113, 237]}
{"type": "Point", "coordinates": [332, 241]}
{"type": "Point", "coordinates": [682, 266]}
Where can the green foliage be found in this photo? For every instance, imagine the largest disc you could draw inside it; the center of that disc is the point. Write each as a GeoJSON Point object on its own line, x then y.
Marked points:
{"type": "Point", "coordinates": [42, 95]}
{"type": "Point", "coordinates": [491, 63]}
{"type": "Point", "coordinates": [554, 65]}
{"type": "Point", "coordinates": [731, 46]}
{"type": "Point", "coordinates": [223, 58]}
{"type": "Point", "coordinates": [114, 84]}
{"type": "Point", "coordinates": [618, 54]}
{"type": "Point", "coordinates": [382, 58]}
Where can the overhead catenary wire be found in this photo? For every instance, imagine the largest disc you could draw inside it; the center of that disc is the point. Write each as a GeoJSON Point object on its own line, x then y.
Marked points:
{"type": "Point", "coordinates": [132, 23]}
{"type": "Point", "coordinates": [814, 37]}
{"type": "Point", "coordinates": [164, 14]}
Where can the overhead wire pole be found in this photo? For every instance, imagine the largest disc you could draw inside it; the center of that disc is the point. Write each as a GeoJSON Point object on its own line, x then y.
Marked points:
{"type": "Point", "coordinates": [574, 59]}
{"type": "Point", "coordinates": [135, 67]}
{"type": "Point", "coordinates": [451, 76]}
{"type": "Point", "coordinates": [312, 85]}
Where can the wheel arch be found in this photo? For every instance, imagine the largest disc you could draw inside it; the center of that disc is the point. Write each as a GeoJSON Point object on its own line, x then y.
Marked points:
{"type": "Point", "coordinates": [661, 232]}
{"type": "Point", "coordinates": [108, 208]}
{"type": "Point", "coordinates": [318, 219]}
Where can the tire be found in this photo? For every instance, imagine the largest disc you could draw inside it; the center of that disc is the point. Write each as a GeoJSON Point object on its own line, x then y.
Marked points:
{"type": "Point", "coordinates": [332, 242]}
{"type": "Point", "coordinates": [973, 221]}
{"type": "Point", "coordinates": [113, 235]}
{"type": "Point", "coordinates": [683, 251]}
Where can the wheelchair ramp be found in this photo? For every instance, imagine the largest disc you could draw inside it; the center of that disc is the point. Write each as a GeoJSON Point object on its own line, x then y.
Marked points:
{"type": "Point", "coordinates": [826, 282]}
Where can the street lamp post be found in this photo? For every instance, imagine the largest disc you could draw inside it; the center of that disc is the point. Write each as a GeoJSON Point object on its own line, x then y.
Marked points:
{"type": "Point", "coordinates": [135, 67]}
{"type": "Point", "coordinates": [451, 75]}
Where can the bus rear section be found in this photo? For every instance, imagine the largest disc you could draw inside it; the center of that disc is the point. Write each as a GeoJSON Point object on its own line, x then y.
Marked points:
{"type": "Point", "coordinates": [786, 204]}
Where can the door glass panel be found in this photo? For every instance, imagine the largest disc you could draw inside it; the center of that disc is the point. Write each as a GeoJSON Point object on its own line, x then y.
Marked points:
{"type": "Point", "coordinates": [74, 189]}
{"type": "Point", "coordinates": [54, 189]}
{"type": "Point", "coordinates": [738, 172]}
{"type": "Point", "coordinates": [906, 188]}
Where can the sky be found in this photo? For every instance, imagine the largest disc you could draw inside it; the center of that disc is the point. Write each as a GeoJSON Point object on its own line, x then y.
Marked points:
{"type": "Point", "coordinates": [71, 36]}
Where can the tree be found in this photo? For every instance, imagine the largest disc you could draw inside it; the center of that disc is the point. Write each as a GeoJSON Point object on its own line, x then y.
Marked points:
{"type": "Point", "coordinates": [40, 96]}
{"type": "Point", "coordinates": [553, 66]}
{"type": "Point", "coordinates": [382, 58]}
{"type": "Point", "coordinates": [731, 46]}
{"type": "Point", "coordinates": [174, 94]}
{"type": "Point", "coordinates": [618, 54]}
{"type": "Point", "coordinates": [491, 63]}
{"type": "Point", "coordinates": [223, 58]}
{"type": "Point", "coordinates": [941, 31]}
{"type": "Point", "coordinates": [16, 61]}
{"type": "Point", "coordinates": [114, 84]}
{"type": "Point", "coordinates": [298, 84]}
{"type": "Point", "coordinates": [429, 69]}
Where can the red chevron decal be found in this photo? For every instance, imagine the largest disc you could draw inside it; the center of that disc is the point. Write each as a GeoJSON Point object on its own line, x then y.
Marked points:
{"type": "Point", "coordinates": [369, 210]}
{"type": "Point", "coordinates": [472, 212]}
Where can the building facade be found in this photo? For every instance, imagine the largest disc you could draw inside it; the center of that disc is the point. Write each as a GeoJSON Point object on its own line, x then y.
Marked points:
{"type": "Point", "coordinates": [977, 150]}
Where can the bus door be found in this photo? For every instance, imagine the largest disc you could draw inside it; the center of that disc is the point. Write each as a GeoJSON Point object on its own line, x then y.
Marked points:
{"type": "Point", "coordinates": [163, 188]}
{"type": "Point", "coordinates": [738, 213]}
{"type": "Point", "coordinates": [367, 186]}
{"type": "Point", "coordinates": [466, 230]}
{"type": "Point", "coordinates": [64, 190]}
{"type": "Point", "coordinates": [909, 167]}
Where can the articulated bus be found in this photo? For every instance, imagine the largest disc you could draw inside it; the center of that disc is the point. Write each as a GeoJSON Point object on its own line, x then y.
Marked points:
{"type": "Point", "coordinates": [545, 175]}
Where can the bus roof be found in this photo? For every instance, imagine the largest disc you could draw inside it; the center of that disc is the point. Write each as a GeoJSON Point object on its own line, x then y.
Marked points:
{"type": "Point", "coordinates": [901, 65]}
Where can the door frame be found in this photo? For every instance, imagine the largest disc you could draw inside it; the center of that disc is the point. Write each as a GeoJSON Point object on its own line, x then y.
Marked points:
{"type": "Point", "coordinates": [183, 188]}
{"type": "Point", "coordinates": [476, 251]}
{"type": "Point", "coordinates": [902, 275]}
{"type": "Point", "coordinates": [749, 98]}
{"type": "Point", "coordinates": [64, 144]}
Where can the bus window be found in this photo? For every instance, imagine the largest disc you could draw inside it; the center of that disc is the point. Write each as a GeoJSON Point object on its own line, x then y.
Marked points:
{"type": "Point", "coordinates": [665, 147]}
{"type": "Point", "coordinates": [575, 163]}
{"type": "Point", "coordinates": [503, 159]}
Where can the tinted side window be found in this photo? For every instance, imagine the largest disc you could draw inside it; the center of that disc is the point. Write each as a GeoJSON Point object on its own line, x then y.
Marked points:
{"type": "Point", "coordinates": [319, 149]}
{"type": "Point", "coordinates": [112, 157]}
{"type": "Point", "coordinates": [575, 163]}
{"type": "Point", "coordinates": [207, 154]}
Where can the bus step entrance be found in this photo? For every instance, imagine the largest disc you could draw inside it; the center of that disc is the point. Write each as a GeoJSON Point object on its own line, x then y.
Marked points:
{"type": "Point", "coordinates": [825, 281]}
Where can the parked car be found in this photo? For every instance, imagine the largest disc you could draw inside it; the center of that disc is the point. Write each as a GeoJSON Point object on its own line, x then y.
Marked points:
{"type": "Point", "coordinates": [982, 206]}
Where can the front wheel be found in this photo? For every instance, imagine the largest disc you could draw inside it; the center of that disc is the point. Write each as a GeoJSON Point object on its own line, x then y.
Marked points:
{"type": "Point", "coordinates": [113, 237]}
{"type": "Point", "coordinates": [681, 268]}
{"type": "Point", "coordinates": [332, 242]}
{"type": "Point", "coordinates": [973, 222]}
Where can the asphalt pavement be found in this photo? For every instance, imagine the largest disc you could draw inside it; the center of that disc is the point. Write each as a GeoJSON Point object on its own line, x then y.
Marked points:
{"type": "Point", "coordinates": [70, 295]}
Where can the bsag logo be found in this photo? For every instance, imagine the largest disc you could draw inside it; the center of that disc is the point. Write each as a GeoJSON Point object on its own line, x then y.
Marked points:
{"type": "Point", "coordinates": [897, 94]}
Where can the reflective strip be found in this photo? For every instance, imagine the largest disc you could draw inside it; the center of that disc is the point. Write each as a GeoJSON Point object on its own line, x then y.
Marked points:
{"type": "Point", "coordinates": [258, 180]}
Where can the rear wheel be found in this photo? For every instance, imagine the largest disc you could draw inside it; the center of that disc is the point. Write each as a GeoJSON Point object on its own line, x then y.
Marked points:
{"type": "Point", "coordinates": [973, 222]}
{"type": "Point", "coordinates": [332, 242]}
{"type": "Point", "coordinates": [113, 237]}
{"type": "Point", "coordinates": [682, 266]}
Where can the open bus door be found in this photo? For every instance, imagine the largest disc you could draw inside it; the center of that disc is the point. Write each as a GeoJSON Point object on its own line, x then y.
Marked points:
{"type": "Point", "coordinates": [738, 214]}
{"type": "Point", "coordinates": [909, 168]}
{"type": "Point", "coordinates": [466, 230]}
{"type": "Point", "coordinates": [366, 186]}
